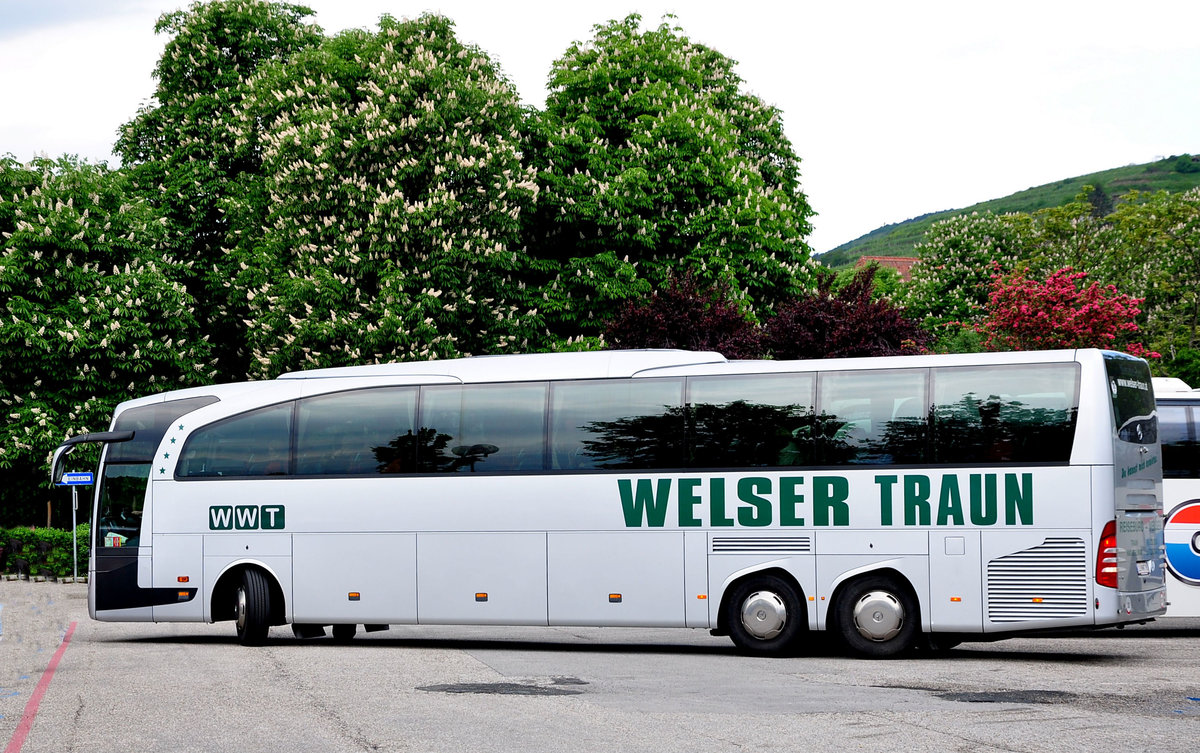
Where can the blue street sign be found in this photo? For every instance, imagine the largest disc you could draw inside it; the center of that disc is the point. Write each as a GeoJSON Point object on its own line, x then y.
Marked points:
{"type": "Point", "coordinates": [78, 478]}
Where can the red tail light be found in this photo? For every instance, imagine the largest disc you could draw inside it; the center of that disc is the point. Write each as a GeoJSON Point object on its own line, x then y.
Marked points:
{"type": "Point", "coordinates": [1106, 556]}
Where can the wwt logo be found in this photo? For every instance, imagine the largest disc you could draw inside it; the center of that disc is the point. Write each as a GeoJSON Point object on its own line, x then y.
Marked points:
{"type": "Point", "coordinates": [245, 517]}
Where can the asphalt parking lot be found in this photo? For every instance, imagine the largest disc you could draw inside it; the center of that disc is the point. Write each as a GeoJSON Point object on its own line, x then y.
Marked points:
{"type": "Point", "coordinates": [191, 687]}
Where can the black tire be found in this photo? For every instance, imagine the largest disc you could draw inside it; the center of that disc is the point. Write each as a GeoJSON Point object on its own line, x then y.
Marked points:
{"type": "Point", "coordinates": [941, 643]}
{"type": "Point", "coordinates": [764, 615]}
{"type": "Point", "coordinates": [344, 633]}
{"type": "Point", "coordinates": [253, 608]}
{"type": "Point", "coordinates": [877, 618]}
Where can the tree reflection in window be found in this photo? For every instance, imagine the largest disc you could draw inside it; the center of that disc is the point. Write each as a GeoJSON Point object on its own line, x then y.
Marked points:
{"type": "Point", "coordinates": [741, 434]}
{"type": "Point", "coordinates": [1005, 414]}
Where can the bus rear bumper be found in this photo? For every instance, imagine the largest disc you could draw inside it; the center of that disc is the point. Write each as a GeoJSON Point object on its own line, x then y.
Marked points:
{"type": "Point", "coordinates": [1133, 606]}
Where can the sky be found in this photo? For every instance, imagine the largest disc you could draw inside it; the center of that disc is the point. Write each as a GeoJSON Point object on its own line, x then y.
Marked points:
{"type": "Point", "coordinates": [896, 109]}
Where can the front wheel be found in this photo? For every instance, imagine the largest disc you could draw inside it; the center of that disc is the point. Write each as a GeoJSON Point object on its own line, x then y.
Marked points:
{"type": "Point", "coordinates": [763, 614]}
{"type": "Point", "coordinates": [253, 608]}
{"type": "Point", "coordinates": [877, 618]}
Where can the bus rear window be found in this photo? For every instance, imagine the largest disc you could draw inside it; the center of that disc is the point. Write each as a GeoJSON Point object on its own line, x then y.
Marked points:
{"type": "Point", "coordinates": [1132, 396]}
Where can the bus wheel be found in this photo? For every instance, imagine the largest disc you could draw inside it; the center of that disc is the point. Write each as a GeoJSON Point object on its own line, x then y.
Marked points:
{"type": "Point", "coordinates": [877, 618]}
{"type": "Point", "coordinates": [253, 608]}
{"type": "Point", "coordinates": [763, 614]}
{"type": "Point", "coordinates": [344, 633]}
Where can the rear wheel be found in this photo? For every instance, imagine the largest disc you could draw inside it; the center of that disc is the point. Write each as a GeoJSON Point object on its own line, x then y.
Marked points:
{"type": "Point", "coordinates": [253, 605]}
{"type": "Point", "coordinates": [763, 614]}
{"type": "Point", "coordinates": [877, 618]}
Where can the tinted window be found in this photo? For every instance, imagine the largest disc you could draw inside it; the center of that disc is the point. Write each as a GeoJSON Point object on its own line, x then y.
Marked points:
{"type": "Point", "coordinates": [1005, 414]}
{"type": "Point", "coordinates": [625, 423]}
{"type": "Point", "coordinates": [1132, 398]}
{"type": "Point", "coordinates": [1180, 449]}
{"type": "Point", "coordinates": [748, 421]}
{"type": "Point", "coordinates": [483, 428]}
{"type": "Point", "coordinates": [252, 444]}
{"type": "Point", "coordinates": [354, 433]}
{"type": "Point", "coordinates": [148, 424]}
{"type": "Point", "coordinates": [871, 417]}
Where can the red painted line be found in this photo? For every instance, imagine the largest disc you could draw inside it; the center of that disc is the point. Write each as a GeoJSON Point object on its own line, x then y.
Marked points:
{"type": "Point", "coordinates": [31, 708]}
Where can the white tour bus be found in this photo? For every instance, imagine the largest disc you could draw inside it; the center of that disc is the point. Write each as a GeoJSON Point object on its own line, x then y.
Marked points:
{"type": "Point", "coordinates": [896, 502]}
{"type": "Point", "coordinates": [1178, 416]}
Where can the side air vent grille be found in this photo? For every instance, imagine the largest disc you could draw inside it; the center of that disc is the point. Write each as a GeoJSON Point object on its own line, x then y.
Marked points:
{"type": "Point", "coordinates": [761, 544]}
{"type": "Point", "coordinates": [1045, 582]}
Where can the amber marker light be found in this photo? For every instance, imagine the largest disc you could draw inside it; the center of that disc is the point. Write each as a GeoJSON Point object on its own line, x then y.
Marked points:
{"type": "Point", "coordinates": [955, 599]}
{"type": "Point", "coordinates": [481, 597]}
{"type": "Point", "coordinates": [614, 598]}
{"type": "Point", "coordinates": [183, 578]}
{"type": "Point", "coordinates": [354, 596]}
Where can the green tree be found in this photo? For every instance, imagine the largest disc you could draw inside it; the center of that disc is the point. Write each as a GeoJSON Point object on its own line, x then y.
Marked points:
{"type": "Point", "coordinates": [957, 258]}
{"type": "Point", "coordinates": [652, 160]}
{"type": "Point", "coordinates": [187, 151]}
{"type": "Point", "coordinates": [396, 186]}
{"type": "Point", "coordinates": [92, 312]}
{"type": "Point", "coordinates": [1151, 249]}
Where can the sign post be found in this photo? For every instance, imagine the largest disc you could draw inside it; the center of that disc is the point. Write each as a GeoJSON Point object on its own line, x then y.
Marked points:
{"type": "Point", "coordinates": [75, 480]}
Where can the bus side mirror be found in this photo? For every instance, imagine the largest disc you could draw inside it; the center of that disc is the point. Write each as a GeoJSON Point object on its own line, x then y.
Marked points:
{"type": "Point", "coordinates": [56, 465]}
{"type": "Point", "coordinates": [67, 447]}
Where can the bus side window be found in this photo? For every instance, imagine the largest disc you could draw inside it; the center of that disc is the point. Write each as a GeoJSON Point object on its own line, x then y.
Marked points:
{"type": "Point", "coordinates": [1005, 414]}
{"type": "Point", "coordinates": [360, 432]}
{"type": "Point", "coordinates": [617, 424]}
{"type": "Point", "coordinates": [485, 428]}
{"type": "Point", "coordinates": [1180, 449]}
{"type": "Point", "coordinates": [751, 421]}
{"type": "Point", "coordinates": [257, 443]}
{"type": "Point", "coordinates": [873, 417]}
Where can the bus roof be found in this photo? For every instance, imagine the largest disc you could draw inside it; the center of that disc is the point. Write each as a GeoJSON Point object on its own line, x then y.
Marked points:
{"type": "Point", "coordinates": [531, 366]}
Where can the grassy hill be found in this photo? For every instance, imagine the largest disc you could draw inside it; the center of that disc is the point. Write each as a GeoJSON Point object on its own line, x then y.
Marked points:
{"type": "Point", "coordinates": [898, 239]}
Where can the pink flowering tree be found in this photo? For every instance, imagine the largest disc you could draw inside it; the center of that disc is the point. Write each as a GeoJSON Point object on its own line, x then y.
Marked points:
{"type": "Point", "coordinates": [1024, 313]}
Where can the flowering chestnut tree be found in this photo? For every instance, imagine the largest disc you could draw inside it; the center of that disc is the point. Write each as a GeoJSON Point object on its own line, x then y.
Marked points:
{"type": "Point", "coordinates": [91, 313]}
{"type": "Point", "coordinates": [957, 259]}
{"type": "Point", "coordinates": [187, 155]}
{"type": "Point", "coordinates": [393, 166]}
{"type": "Point", "coordinates": [1025, 313]}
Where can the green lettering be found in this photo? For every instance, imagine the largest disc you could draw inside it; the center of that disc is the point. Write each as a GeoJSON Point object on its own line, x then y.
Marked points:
{"type": "Point", "coordinates": [716, 503]}
{"type": "Point", "coordinates": [885, 484]}
{"type": "Point", "coordinates": [759, 511]}
{"type": "Point", "coordinates": [1018, 499]}
{"type": "Point", "coordinates": [916, 500]}
{"type": "Point", "coordinates": [983, 499]}
{"type": "Point", "coordinates": [645, 505]}
{"type": "Point", "coordinates": [950, 509]}
{"type": "Point", "coordinates": [688, 500]}
{"type": "Point", "coordinates": [829, 495]}
{"type": "Point", "coordinates": [789, 498]}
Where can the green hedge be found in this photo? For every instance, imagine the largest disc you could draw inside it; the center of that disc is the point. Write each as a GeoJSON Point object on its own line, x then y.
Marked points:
{"type": "Point", "coordinates": [47, 551]}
